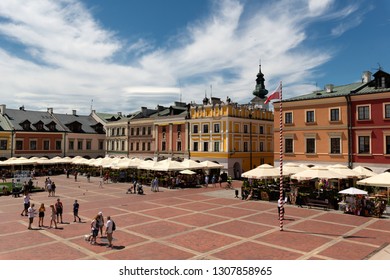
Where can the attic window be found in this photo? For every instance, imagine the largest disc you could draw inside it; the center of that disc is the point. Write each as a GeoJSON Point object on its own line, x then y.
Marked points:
{"type": "Point", "coordinates": [25, 125]}
{"type": "Point", "coordinates": [39, 126]}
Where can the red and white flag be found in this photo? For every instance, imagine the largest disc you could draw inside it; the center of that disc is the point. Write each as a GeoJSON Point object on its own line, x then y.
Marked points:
{"type": "Point", "coordinates": [275, 95]}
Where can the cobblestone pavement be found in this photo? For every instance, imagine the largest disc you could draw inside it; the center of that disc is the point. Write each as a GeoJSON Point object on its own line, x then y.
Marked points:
{"type": "Point", "coordinates": [185, 224]}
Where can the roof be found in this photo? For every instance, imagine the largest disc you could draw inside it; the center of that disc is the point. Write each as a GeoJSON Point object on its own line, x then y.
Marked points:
{"type": "Point", "coordinates": [87, 122]}
{"type": "Point", "coordinates": [336, 92]}
{"type": "Point", "coordinates": [17, 117]}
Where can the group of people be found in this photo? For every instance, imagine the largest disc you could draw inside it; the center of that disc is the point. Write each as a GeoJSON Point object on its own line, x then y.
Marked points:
{"type": "Point", "coordinates": [56, 211]}
{"type": "Point", "coordinates": [97, 225]}
{"type": "Point", "coordinates": [50, 187]}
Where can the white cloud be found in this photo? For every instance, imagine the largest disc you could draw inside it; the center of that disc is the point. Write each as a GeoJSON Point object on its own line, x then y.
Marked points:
{"type": "Point", "coordinates": [63, 58]}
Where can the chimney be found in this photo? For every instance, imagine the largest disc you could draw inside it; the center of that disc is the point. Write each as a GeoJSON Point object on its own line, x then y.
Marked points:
{"type": "Point", "coordinates": [50, 111]}
{"type": "Point", "coordinates": [74, 112]}
{"type": "Point", "coordinates": [120, 114]}
{"type": "Point", "coordinates": [329, 88]}
{"type": "Point", "coordinates": [2, 109]}
{"type": "Point", "coordinates": [366, 77]}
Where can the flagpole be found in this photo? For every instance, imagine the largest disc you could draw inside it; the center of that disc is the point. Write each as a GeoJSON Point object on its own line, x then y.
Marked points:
{"type": "Point", "coordinates": [281, 213]}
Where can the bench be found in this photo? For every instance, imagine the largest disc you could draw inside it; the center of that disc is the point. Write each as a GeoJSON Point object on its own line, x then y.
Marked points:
{"type": "Point", "coordinates": [318, 203]}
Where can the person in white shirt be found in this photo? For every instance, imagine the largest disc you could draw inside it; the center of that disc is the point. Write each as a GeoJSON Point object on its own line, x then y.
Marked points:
{"type": "Point", "coordinates": [31, 215]}
{"type": "Point", "coordinates": [109, 231]}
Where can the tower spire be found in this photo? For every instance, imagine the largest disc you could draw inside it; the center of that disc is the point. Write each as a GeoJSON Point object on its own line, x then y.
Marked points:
{"type": "Point", "coordinates": [260, 90]}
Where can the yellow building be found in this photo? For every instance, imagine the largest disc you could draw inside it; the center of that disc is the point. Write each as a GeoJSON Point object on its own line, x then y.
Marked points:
{"type": "Point", "coordinates": [238, 136]}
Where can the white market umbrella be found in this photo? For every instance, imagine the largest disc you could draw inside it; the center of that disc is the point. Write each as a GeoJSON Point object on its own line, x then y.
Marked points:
{"type": "Point", "coordinates": [168, 165]}
{"type": "Point", "coordinates": [380, 180]}
{"type": "Point", "coordinates": [342, 169]}
{"type": "Point", "coordinates": [353, 191]}
{"type": "Point", "coordinates": [211, 165]}
{"type": "Point", "coordinates": [147, 165]}
{"type": "Point", "coordinates": [187, 172]}
{"type": "Point", "coordinates": [318, 172]}
{"type": "Point", "coordinates": [292, 168]}
{"type": "Point", "coordinates": [364, 172]}
{"type": "Point", "coordinates": [191, 164]}
{"type": "Point", "coordinates": [263, 171]}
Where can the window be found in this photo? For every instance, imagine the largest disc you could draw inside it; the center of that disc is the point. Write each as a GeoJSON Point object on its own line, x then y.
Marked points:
{"type": "Point", "coordinates": [137, 146]}
{"type": "Point", "coordinates": [195, 128]}
{"type": "Point", "coordinates": [245, 128]}
{"type": "Point", "coordinates": [178, 134]}
{"type": "Point", "coordinates": [387, 145]}
{"type": "Point", "coordinates": [149, 146]}
{"type": "Point", "coordinates": [33, 144]}
{"type": "Point", "coordinates": [216, 146]}
{"type": "Point", "coordinates": [123, 148]}
{"type": "Point", "coordinates": [71, 145]}
{"type": "Point", "coordinates": [58, 144]}
{"type": "Point", "coordinates": [288, 145]}
{"type": "Point", "coordinates": [261, 146]}
{"type": "Point", "coordinates": [123, 131]}
{"type": "Point", "coordinates": [216, 128]}
{"type": "Point", "coordinates": [179, 146]}
{"type": "Point", "coordinates": [117, 131]}
{"type": "Point", "coordinates": [163, 146]}
{"type": "Point", "coordinates": [178, 128]}
{"type": "Point", "coordinates": [164, 129]}
{"type": "Point", "coordinates": [143, 146]}
{"type": "Point", "coordinates": [335, 145]}
{"type": "Point", "coordinates": [246, 147]}
{"type": "Point", "coordinates": [149, 130]}
{"type": "Point", "coordinates": [309, 116]}
{"type": "Point", "coordinates": [132, 131]}
{"type": "Point", "coordinates": [310, 145]}
{"type": "Point", "coordinates": [205, 128]}
{"type": "Point", "coordinates": [196, 146]}
{"type": "Point", "coordinates": [205, 146]}
{"type": "Point", "coordinates": [46, 145]}
{"type": "Point", "coordinates": [89, 145]}
{"type": "Point", "coordinates": [80, 145]}
{"type": "Point", "coordinates": [363, 113]}
{"type": "Point", "coordinates": [131, 146]}
{"type": "Point", "coordinates": [137, 133]}
{"type": "Point", "coordinates": [101, 144]}
{"type": "Point", "coordinates": [387, 111]}
{"type": "Point", "coordinates": [364, 144]}
{"type": "Point", "coordinates": [288, 118]}
{"type": "Point", "coordinates": [143, 130]}
{"type": "Point", "coordinates": [334, 115]}
{"type": "Point", "coordinates": [3, 144]}
{"type": "Point", "coordinates": [261, 129]}
{"type": "Point", "coordinates": [19, 145]}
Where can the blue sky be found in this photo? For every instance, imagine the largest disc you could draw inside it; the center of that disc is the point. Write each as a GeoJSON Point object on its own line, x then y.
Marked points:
{"type": "Point", "coordinates": [118, 55]}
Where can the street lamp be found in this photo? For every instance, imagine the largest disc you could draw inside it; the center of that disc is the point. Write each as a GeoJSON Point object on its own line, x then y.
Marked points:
{"type": "Point", "coordinates": [250, 139]}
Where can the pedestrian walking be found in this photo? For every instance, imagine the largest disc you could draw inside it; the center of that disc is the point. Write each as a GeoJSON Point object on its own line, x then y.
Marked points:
{"type": "Point", "coordinates": [41, 214]}
{"type": "Point", "coordinates": [31, 215]}
{"type": "Point", "coordinates": [206, 180]}
{"type": "Point", "coordinates": [100, 223]}
{"type": "Point", "coordinates": [101, 182]}
{"type": "Point", "coordinates": [26, 204]}
{"type": "Point", "coordinates": [53, 189]}
{"type": "Point", "coordinates": [75, 176]}
{"type": "Point", "coordinates": [220, 181]}
{"type": "Point", "coordinates": [89, 177]}
{"type": "Point", "coordinates": [59, 210]}
{"type": "Point", "coordinates": [76, 207]}
{"type": "Point", "coordinates": [110, 227]}
{"type": "Point", "coordinates": [94, 230]}
{"type": "Point", "coordinates": [53, 216]}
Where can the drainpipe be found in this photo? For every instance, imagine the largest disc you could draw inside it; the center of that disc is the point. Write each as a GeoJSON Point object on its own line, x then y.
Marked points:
{"type": "Point", "coordinates": [349, 123]}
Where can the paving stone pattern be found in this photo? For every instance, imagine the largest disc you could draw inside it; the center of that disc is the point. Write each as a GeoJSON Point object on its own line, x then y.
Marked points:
{"type": "Point", "coordinates": [184, 224]}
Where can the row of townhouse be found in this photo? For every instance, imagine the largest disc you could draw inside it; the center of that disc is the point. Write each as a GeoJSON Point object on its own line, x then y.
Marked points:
{"type": "Point", "coordinates": [348, 124]}
{"type": "Point", "coordinates": [238, 136]}
{"type": "Point", "coordinates": [47, 134]}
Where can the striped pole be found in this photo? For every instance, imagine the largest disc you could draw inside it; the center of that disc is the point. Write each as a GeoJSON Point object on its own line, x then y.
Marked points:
{"type": "Point", "coordinates": [281, 215]}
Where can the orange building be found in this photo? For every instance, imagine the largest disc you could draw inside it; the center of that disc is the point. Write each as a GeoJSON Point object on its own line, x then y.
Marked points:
{"type": "Point", "coordinates": [315, 127]}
